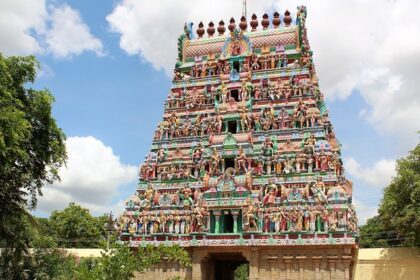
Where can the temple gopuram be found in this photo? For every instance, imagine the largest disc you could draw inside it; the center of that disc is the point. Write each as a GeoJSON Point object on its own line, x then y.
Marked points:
{"type": "Point", "coordinates": [245, 166]}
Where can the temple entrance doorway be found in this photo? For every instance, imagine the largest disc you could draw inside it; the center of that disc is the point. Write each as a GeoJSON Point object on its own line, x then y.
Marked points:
{"type": "Point", "coordinates": [225, 264]}
{"type": "Point", "coordinates": [227, 223]}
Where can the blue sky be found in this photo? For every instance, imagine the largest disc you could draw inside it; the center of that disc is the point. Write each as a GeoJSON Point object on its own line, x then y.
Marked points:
{"type": "Point", "coordinates": [108, 64]}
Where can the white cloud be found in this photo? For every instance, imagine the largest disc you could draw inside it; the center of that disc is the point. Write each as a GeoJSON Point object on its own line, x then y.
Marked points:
{"type": "Point", "coordinates": [379, 175]}
{"type": "Point", "coordinates": [151, 30]}
{"type": "Point", "coordinates": [20, 21]}
{"type": "Point", "coordinates": [69, 35]}
{"type": "Point", "coordinates": [92, 178]}
{"type": "Point", "coordinates": [370, 46]}
{"type": "Point", "coordinates": [30, 27]}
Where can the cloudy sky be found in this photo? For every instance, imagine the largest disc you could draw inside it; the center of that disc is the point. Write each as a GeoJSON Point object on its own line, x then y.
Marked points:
{"type": "Point", "coordinates": [108, 63]}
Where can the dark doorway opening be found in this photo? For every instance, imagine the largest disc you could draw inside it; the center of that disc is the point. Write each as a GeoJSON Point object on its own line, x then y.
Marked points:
{"type": "Point", "coordinates": [231, 126]}
{"type": "Point", "coordinates": [234, 93]}
{"type": "Point", "coordinates": [229, 162]}
{"type": "Point", "coordinates": [224, 266]}
{"type": "Point", "coordinates": [228, 223]}
{"type": "Point", "coordinates": [237, 66]}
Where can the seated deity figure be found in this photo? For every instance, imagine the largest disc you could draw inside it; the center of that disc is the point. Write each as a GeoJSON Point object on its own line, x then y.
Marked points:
{"type": "Point", "coordinates": [288, 166]}
{"type": "Point", "coordinates": [318, 190]}
{"type": "Point", "coordinates": [235, 48]}
{"type": "Point", "coordinates": [288, 147]}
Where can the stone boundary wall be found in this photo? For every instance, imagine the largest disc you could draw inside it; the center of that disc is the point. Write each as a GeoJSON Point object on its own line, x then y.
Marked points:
{"type": "Point", "coordinates": [388, 264]}
{"type": "Point", "coordinates": [372, 264]}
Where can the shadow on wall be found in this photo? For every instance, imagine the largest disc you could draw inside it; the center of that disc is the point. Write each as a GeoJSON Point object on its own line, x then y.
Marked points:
{"type": "Point", "coordinates": [388, 264]}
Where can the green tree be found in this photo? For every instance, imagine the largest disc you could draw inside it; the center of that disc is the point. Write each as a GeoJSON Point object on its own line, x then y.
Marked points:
{"type": "Point", "coordinates": [32, 150]}
{"type": "Point", "coordinates": [75, 227]}
{"type": "Point", "coordinates": [398, 221]}
{"type": "Point", "coordinates": [400, 206]}
{"type": "Point", "coordinates": [376, 234]}
{"type": "Point", "coordinates": [121, 262]}
{"type": "Point", "coordinates": [47, 262]}
{"type": "Point", "coordinates": [242, 272]}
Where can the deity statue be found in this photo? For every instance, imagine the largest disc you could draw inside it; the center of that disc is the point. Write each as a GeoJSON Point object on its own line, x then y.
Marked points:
{"type": "Point", "coordinates": [244, 120]}
{"type": "Point", "coordinates": [332, 220]}
{"type": "Point", "coordinates": [270, 195]}
{"type": "Point", "coordinates": [236, 48]}
{"type": "Point", "coordinates": [148, 193]}
{"type": "Point", "coordinates": [288, 166]}
{"type": "Point", "coordinates": [161, 154]}
{"type": "Point", "coordinates": [310, 144]}
{"type": "Point", "coordinates": [248, 179]}
{"type": "Point", "coordinates": [257, 122]}
{"type": "Point", "coordinates": [318, 191]}
{"type": "Point", "coordinates": [241, 160]}
{"type": "Point", "coordinates": [255, 64]}
{"type": "Point", "coordinates": [215, 162]}
{"type": "Point", "coordinates": [219, 123]}
{"type": "Point", "coordinates": [260, 165]}
{"type": "Point", "coordinates": [197, 154]}
{"type": "Point", "coordinates": [250, 219]}
{"type": "Point", "coordinates": [268, 147]}
{"type": "Point", "coordinates": [299, 113]}
{"type": "Point", "coordinates": [325, 220]}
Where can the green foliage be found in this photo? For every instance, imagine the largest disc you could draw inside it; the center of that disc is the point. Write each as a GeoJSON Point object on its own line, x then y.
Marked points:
{"type": "Point", "coordinates": [32, 150]}
{"type": "Point", "coordinates": [398, 222]}
{"type": "Point", "coordinates": [121, 262]}
{"type": "Point", "coordinates": [149, 256]}
{"type": "Point", "coordinates": [242, 272]}
{"type": "Point", "coordinates": [400, 206]}
{"type": "Point", "coordinates": [46, 262]}
{"type": "Point", "coordinates": [75, 227]}
{"type": "Point", "coordinates": [51, 263]}
{"type": "Point", "coordinates": [376, 234]}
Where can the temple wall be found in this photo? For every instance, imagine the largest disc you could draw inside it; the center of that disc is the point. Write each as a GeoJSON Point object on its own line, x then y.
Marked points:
{"type": "Point", "coordinates": [389, 264]}
{"type": "Point", "coordinates": [280, 263]}
{"type": "Point", "coordinates": [166, 270]}
{"type": "Point", "coordinates": [372, 264]}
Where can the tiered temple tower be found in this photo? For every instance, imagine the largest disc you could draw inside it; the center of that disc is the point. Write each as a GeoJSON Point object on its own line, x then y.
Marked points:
{"type": "Point", "coordinates": [245, 165]}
